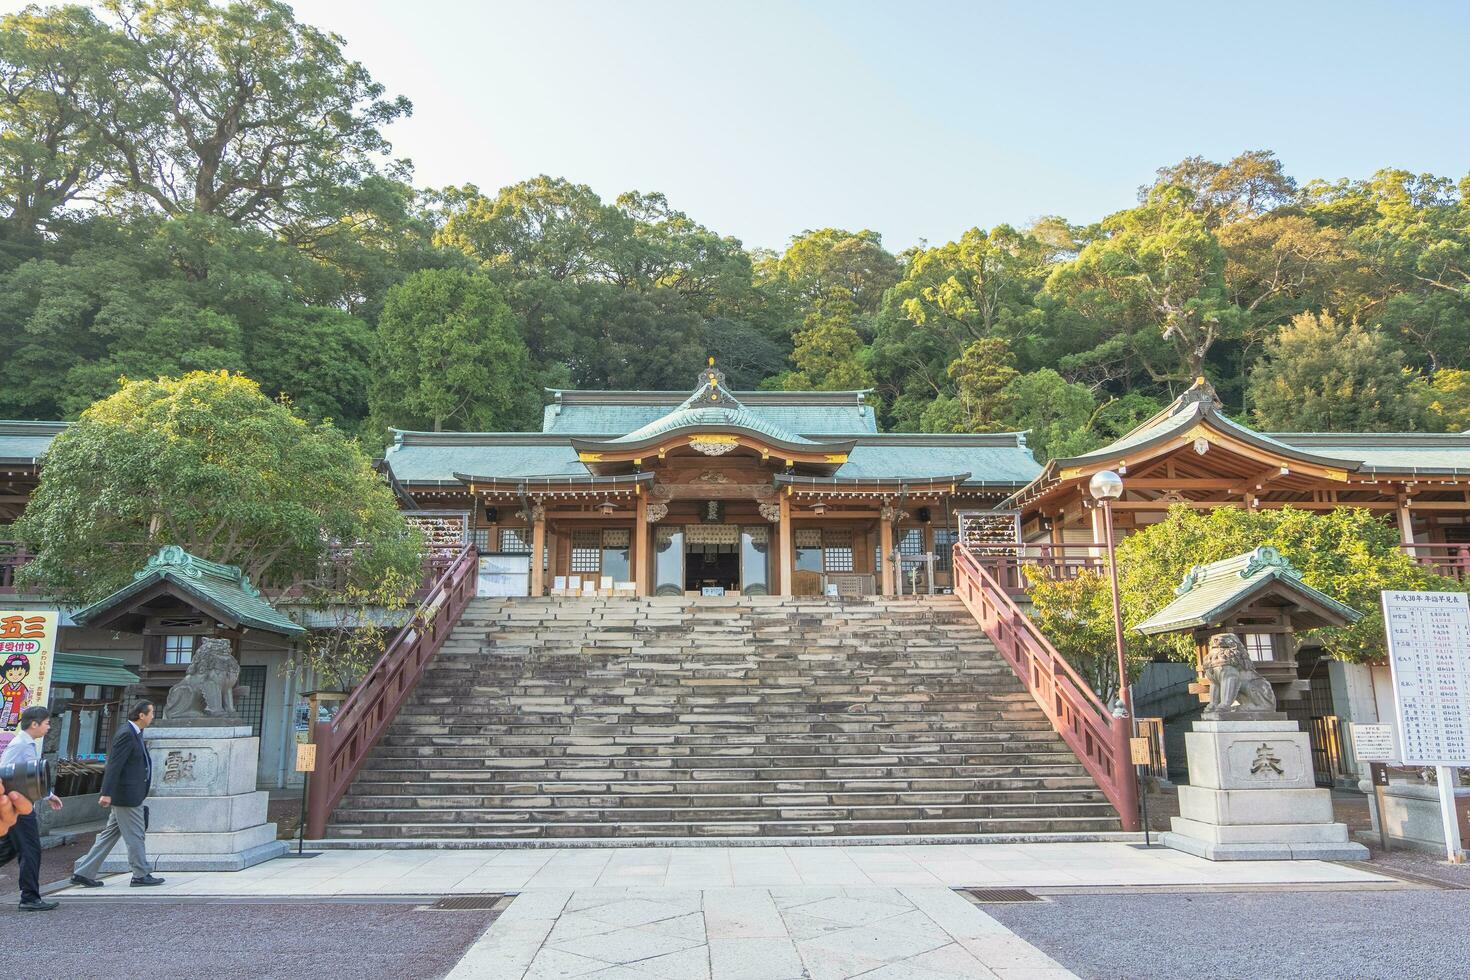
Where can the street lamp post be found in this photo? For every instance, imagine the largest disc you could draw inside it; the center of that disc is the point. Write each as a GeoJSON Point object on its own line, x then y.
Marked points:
{"type": "Point", "coordinates": [1105, 487]}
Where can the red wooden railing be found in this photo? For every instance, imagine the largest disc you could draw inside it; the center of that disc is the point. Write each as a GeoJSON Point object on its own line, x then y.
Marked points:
{"type": "Point", "coordinates": [343, 744]}
{"type": "Point", "coordinates": [1449, 560]}
{"type": "Point", "coordinates": [1078, 715]}
{"type": "Point", "coordinates": [1005, 563]}
{"type": "Point", "coordinates": [12, 556]}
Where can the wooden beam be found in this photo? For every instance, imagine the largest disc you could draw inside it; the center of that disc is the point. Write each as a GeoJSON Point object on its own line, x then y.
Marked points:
{"type": "Point", "coordinates": [1259, 481]}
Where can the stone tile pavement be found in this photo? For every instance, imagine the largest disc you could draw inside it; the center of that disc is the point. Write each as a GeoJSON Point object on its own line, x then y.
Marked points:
{"type": "Point", "coordinates": [881, 912]}
{"type": "Point", "coordinates": [439, 872]}
{"type": "Point", "coordinates": [800, 933]}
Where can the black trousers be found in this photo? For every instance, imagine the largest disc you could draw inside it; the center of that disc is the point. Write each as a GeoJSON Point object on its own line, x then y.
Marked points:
{"type": "Point", "coordinates": [25, 838]}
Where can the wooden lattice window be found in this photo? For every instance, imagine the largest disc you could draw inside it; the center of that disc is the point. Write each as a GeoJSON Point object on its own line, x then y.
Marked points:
{"type": "Point", "coordinates": [586, 552]}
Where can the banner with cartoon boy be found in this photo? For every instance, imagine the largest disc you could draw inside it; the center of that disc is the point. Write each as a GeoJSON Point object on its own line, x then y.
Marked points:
{"type": "Point", "coordinates": [27, 645]}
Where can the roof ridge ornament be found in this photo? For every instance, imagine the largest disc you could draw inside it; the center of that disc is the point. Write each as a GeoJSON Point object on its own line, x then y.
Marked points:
{"type": "Point", "coordinates": [174, 558]}
{"type": "Point", "coordinates": [1268, 557]}
{"type": "Point", "coordinates": [1201, 391]}
{"type": "Point", "coordinates": [710, 390]}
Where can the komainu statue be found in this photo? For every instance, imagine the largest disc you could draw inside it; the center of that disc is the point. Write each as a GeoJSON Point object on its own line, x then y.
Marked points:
{"type": "Point", "coordinates": [1234, 679]}
{"type": "Point", "coordinates": [208, 688]}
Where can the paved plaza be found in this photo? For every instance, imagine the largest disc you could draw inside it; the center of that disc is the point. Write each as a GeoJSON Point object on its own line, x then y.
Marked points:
{"type": "Point", "coordinates": [726, 913]}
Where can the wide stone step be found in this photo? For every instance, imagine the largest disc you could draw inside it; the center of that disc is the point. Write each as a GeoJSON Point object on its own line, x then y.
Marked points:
{"type": "Point", "coordinates": [365, 798]}
{"type": "Point", "coordinates": [412, 783]}
{"type": "Point", "coordinates": [926, 826]}
{"type": "Point", "coordinates": [471, 814]}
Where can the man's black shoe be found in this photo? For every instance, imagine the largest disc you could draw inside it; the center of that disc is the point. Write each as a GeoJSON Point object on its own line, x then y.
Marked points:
{"type": "Point", "coordinates": [146, 880]}
{"type": "Point", "coordinates": [85, 882]}
{"type": "Point", "coordinates": [41, 905]}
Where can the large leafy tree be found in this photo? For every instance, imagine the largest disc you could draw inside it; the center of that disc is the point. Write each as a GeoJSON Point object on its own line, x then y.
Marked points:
{"type": "Point", "coordinates": [1350, 554]}
{"type": "Point", "coordinates": [828, 350]}
{"type": "Point", "coordinates": [1158, 268]}
{"type": "Point", "coordinates": [237, 111]}
{"type": "Point", "coordinates": [1251, 185]}
{"type": "Point", "coordinates": [207, 462]}
{"type": "Point", "coordinates": [1323, 375]}
{"type": "Point", "coordinates": [51, 153]}
{"type": "Point", "coordinates": [450, 351]}
{"type": "Point", "coordinates": [818, 261]}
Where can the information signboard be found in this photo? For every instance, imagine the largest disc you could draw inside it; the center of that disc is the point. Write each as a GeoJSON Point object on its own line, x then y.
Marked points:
{"type": "Point", "coordinates": [27, 647]}
{"type": "Point", "coordinates": [1373, 743]}
{"type": "Point", "coordinates": [1429, 660]}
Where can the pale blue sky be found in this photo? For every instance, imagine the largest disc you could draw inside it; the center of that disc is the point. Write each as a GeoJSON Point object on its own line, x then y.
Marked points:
{"type": "Point", "coordinates": [916, 119]}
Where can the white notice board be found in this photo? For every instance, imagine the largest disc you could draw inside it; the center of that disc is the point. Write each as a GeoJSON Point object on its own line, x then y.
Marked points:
{"type": "Point", "coordinates": [1429, 658]}
{"type": "Point", "coordinates": [504, 575]}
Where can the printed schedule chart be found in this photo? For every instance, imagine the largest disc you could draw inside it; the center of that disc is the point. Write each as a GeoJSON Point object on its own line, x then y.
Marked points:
{"type": "Point", "coordinates": [1429, 659]}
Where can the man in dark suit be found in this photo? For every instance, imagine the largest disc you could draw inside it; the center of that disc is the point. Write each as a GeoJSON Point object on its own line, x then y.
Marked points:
{"type": "Point", "coordinates": [125, 785]}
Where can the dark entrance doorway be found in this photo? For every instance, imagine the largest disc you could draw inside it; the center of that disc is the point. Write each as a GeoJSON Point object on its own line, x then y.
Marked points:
{"type": "Point", "coordinates": [705, 566]}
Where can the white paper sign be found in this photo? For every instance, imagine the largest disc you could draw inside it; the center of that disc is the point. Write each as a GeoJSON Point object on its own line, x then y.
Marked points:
{"type": "Point", "coordinates": [1429, 659]}
{"type": "Point", "coordinates": [1374, 743]}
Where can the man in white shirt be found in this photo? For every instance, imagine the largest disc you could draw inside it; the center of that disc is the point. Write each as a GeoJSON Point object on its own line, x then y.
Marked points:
{"type": "Point", "coordinates": [35, 722]}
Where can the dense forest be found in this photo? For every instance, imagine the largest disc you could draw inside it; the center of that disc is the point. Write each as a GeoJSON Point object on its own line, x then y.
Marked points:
{"type": "Point", "coordinates": [192, 186]}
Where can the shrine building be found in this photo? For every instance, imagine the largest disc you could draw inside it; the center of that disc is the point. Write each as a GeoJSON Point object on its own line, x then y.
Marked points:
{"type": "Point", "coordinates": [751, 492]}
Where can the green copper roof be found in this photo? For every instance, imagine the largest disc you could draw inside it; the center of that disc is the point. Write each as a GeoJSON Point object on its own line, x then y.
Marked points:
{"type": "Point", "coordinates": [1419, 453]}
{"type": "Point", "coordinates": [1209, 593]}
{"type": "Point", "coordinates": [219, 588]}
{"type": "Point", "coordinates": [26, 442]}
{"type": "Point", "coordinates": [700, 417]}
{"type": "Point", "coordinates": [81, 669]}
{"type": "Point", "coordinates": [614, 413]}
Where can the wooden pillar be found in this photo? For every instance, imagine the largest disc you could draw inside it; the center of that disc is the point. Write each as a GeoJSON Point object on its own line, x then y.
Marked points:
{"type": "Point", "coordinates": [1099, 533]}
{"type": "Point", "coordinates": [551, 545]}
{"type": "Point", "coordinates": [885, 549]}
{"type": "Point", "coordinates": [786, 550]}
{"type": "Point", "coordinates": [641, 547]}
{"type": "Point", "coordinates": [1406, 522]}
{"type": "Point", "coordinates": [538, 547]}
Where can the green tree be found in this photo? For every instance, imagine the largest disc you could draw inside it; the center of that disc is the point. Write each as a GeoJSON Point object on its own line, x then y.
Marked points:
{"type": "Point", "coordinates": [1249, 186]}
{"type": "Point", "coordinates": [980, 375]}
{"type": "Point", "coordinates": [1055, 414]}
{"type": "Point", "coordinates": [1323, 375]}
{"type": "Point", "coordinates": [319, 359]}
{"type": "Point", "coordinates": [818, 261]}
{"type": "Point", "coordinates": [1157, 268]}
{"type": "Point", "coordinates": [236, 111]}
{"type": "Point", "coordinates": [1350, 554]}
{"type": "Point", "coordinates": [1446, 399]}
{"type": "Point", "coordinates": [209, 463]}
{"type": "Point", "coordinates": [828, 351]}
{"type": "Point", "coordinates": [51, 153]}
{"type": "Point", "coordinates": [450, 351]}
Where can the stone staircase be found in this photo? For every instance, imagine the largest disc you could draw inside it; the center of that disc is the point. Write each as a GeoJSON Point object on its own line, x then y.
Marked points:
{"type": "Point", "coordinates": [719, 717]}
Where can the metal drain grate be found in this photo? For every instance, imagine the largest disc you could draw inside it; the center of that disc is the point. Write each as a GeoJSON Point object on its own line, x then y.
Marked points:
{"type": "Point", "coordinates": [1002, 896]}
{"type": "Point", "coordinates": [472, 903]}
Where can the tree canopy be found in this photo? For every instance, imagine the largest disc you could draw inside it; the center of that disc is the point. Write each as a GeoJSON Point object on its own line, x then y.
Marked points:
{"type": "Point", "coordinates": [197, 186]}
{"type": "Point", "coordinates": [1349, 553]}
{"type": "Point", "coordinates": [209, 463]}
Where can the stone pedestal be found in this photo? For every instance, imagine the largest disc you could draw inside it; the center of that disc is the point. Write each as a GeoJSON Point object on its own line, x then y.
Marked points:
{"type": "Point", "coordinates": [1252, 797]}
{"type": "Point", "coordinates": [204, 812]}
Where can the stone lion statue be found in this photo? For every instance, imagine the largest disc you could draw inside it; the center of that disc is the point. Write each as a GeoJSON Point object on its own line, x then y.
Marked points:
{"type": "Point", "coordinates": [1234, 679]}
{"type": "Point", "coordinates": [208, 687]}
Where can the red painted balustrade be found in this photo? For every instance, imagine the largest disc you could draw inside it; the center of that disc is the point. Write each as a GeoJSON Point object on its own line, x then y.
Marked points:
{"type": "Point", "coordinates": [343, 744]}
{"type": "Point", "coordinates": [1079, 716]}
{"type": "Point", "coordinates": [1449, 560]}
